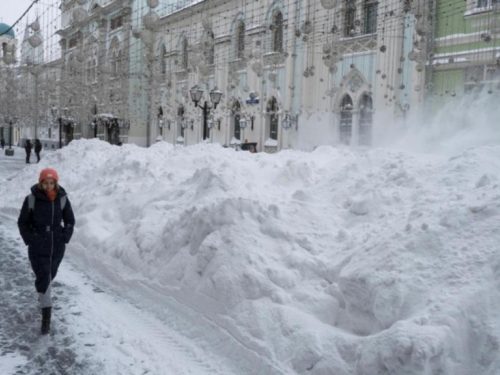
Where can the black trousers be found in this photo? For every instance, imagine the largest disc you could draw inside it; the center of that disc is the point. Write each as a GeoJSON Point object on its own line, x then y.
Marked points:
{"type": "Point", "coordinates": [37, 156]}
{"type": "Point", "coordinates": [28, 154]}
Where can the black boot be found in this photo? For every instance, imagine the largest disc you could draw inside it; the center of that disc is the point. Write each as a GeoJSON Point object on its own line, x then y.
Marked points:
{"type": "Point", "coordinates": [46, 320]}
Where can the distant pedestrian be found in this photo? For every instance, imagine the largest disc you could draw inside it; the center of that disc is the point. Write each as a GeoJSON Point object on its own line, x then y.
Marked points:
{"type": "Point", "coordinates": [46, 225]}
{"type": "Point", "coordinates": [2, 142]}
{"type": "Point", "coordinates": [38, 149]}
{"type": "Point", "coordinates": [27, 147]}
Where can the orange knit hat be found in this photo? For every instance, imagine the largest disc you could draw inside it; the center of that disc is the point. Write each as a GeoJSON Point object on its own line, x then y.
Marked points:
{"type": "Point", "coordinates": [48, 173]}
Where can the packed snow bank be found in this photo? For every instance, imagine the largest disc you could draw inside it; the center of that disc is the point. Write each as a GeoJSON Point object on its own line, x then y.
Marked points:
{"type": "Point", "coordinates": [330, 262]}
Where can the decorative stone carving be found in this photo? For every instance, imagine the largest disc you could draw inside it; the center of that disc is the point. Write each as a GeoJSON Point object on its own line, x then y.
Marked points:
{"type": "Point", "coordinates": [358, 45]}
{"type": "Point", "coordinates": [355, 83]}
{"type": "Point", "coordinates": [274, 59]}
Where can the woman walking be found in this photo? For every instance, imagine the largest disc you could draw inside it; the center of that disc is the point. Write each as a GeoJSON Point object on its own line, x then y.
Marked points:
{"type": "Point", "coordinates": [46, 225]}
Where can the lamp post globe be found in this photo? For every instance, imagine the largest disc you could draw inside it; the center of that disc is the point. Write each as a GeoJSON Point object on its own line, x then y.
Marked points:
{"type": "Point", "coordinates": [196, 94]}
{"type": "Point", "coordinates": [243, 122]}
{"type": "Point", "coordinates": [215, 96]}
{"type": "Point", "coordinates": [210, 123]}
{"type": "Point", "coordinates": [286, 122]}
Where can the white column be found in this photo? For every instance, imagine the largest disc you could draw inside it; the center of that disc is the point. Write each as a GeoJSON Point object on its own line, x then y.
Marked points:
{"type": "Point", "coordinates": [335, 121]}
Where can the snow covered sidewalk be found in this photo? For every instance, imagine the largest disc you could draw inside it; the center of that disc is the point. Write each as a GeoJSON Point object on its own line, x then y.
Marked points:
{"type": "Point", "coordinates": [93, 332]}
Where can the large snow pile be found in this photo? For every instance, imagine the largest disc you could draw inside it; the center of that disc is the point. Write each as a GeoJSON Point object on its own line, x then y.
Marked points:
{"type": "Point", "coordinates": [330, 262]}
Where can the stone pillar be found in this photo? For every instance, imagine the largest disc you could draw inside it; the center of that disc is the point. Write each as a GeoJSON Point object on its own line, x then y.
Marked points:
{"type": "Point", "coordinates": [335, 123]}
{"type": "Point", "coordinates": [125, 65]}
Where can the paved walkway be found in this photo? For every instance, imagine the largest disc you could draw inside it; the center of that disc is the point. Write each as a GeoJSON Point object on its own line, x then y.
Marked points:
{"type": "Point", "coordinates": [20, 317]}
{"type": "Point", "coordinates": [11, 164]}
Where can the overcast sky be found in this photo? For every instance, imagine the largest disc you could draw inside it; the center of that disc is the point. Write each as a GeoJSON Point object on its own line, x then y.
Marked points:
{"type": "Point", "coordinates": [11, 10]}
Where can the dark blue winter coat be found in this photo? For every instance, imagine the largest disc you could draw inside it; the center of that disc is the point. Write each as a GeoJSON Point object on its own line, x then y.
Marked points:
{"type": "Point", "coordinates": [46, 231]}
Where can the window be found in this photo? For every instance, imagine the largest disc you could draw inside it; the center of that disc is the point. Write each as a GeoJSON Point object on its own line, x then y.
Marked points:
{"type": "Point", "coordinates": [346, 120]}
{"type": "Point", "coordinates": [94, 71]}
{"type": "Point", "coordinates": [163, 60]}
{"type": "Point", "coordinates": [4, 49]}
{"type": "Point", "coordinates": [73, 42]}
{"type": "Point", "coordinates": [277, 32]}
{"type": "Point", "coordinates": [116, 22]}
{"type": "Point", "coordinates": [117, 63]}
{"type": "Point", "coordinates": [185, 56]}
{"type": "Point", "coordinates": [371, 8]}
{"type": "Point", "coordinates": [211, 49]}
{"type": "Point", "coordinates": [365, 120]}
{"type": "Point", "coordinates": [240, 41]}
{"type": "Point", "coordinates": [474, 74]}
{"type": "Point", "coordinates": [350, 15]}
{"type": "Point", "coordinates": [114, 58]}
{"type": "Point", "coordinates": [482, 3]}
{"type": "Point", "coordinates": [479, 76]}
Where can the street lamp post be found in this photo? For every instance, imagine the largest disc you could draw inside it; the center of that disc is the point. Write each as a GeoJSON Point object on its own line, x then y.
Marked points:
{"type": "Point", "coordinates": [11, 121]}
{"type": "Point", "coordinates": [55, 112]}
{"type": "Point", "coordinates": [215, 97]}
{"type": "Point", "coordinates": [93, 124]}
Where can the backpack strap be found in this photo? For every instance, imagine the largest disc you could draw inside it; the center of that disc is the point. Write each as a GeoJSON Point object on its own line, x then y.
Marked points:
{"type": "Point", "coordinates": [63, 202]}
{"type": "Point", "coordinates": [31, 202]}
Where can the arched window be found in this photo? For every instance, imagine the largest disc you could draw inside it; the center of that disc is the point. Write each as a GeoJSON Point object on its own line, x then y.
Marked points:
{"type": "Point", "coordinates": [236, 112]}
{"type": "Point", "coordinates": [163, 60]}
{"type": "Point", "coordinates": [371, 9]}
{"type": "Point", "coordinates": [272, 110]}
{"type": "Point", "coordinates": [365, 120]}
{"type": "Point", "coordinates": [240, 40]}
{"type": "Point", "coordinates": [117, 65]}
{"type": "Point", "coordinates": [94, 70]}
{"type": "Point", "coordinates": [4, 49]}
{"type": "Point", "coordinates": [346, 107]}
{"type": "Point", "coordinates": [350, 15]}
{"type": "Point", "coordinates": [277, 32]}
{"type": "Point", "coordinates": [114, 58]}
{"type": "Point", "coordinates": [184, 54]}
{"type": "Point", "coordinates": [211, 49]}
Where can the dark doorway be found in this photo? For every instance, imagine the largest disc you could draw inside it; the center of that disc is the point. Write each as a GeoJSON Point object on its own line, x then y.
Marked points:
{"type": "Point", "coordinates": [346, 120]}
{"type": "Point", "coordinates": [272, 109]}
{"type": "Point", "coordinates": [236, 118]}
{"type": "Point", "coordinates": [69, 133]}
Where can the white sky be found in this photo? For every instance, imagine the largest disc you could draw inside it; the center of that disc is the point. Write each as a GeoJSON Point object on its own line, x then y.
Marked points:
{"type": "Point", "coordinates": [12, 10]}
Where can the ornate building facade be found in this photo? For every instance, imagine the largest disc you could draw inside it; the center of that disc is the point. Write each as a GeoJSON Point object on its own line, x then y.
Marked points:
{"type": "Point", "coordinates": [292, 73]}
{"type": "Point", "coordinates": [301, 74]}
{"type": "Point", "coordinates": [95, 43]}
